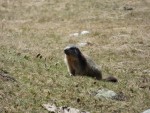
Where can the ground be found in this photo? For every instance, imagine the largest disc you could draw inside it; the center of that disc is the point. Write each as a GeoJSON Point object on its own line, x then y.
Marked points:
{"type": "Point", "coordinates": [119, 43]}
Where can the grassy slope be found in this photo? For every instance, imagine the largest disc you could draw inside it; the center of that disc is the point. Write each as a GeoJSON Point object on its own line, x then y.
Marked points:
{"type": "Point", "coordinates": [121, 46]}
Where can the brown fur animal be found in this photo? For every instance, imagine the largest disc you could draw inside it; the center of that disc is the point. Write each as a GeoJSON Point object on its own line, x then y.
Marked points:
{"type": "Point", "coordinates": [79, 64]}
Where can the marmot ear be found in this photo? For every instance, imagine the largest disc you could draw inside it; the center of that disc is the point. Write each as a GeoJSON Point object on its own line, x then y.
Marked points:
{"type": "Point", "coordinates": [77, 51]}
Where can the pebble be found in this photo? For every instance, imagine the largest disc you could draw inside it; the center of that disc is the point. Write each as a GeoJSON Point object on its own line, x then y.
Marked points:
{"type": "Point", "coordinates": [147, 111]}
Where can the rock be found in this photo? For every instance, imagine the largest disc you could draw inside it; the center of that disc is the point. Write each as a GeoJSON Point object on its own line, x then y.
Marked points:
{"type": "Point", "coordinates": [74, 34]}
{"type": "Point", "coordinates": [82, 44]}
{"type": "Point", "coordinates": [62, 109]}
{"type": "Point", "coordinates": [78, 34]}
{"type": "Point", "coordinates": [109, 94]}
{"type": "Point", "coordinates": [50, 107]}
{"type": "Point", "coordinates": [147, 111]}
{"type": "Point", "coordinates": [84, 32]}
{"type": "Point", "coordinates": [105, 93]}
{"type": "Point", "coordinates": [120, 97]}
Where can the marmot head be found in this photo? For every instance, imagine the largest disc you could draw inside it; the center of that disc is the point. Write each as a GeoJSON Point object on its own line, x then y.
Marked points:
{"type": "Point", "coordinates": [72, 50]}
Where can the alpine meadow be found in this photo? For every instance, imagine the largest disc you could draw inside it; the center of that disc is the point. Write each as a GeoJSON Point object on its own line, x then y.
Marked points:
{"type": "Point", "coordinates": [34, 33]}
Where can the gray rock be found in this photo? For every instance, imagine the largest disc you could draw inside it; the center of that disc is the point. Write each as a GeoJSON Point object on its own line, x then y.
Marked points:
{"type": "Point", "coordinates": [62, 109]}
{"type": "Point", "coordinates": [74, 34]}
{"type": "Point", "coordinates": [105, 93]}
{"type": "Point", "coordinates": [82, 44]}
{"type": "Point", "coordinates": [79, 33]}
{"type": "Point", "coordinates": [147, 111]}
{"type": "Point", "coordinates": [84, 32]}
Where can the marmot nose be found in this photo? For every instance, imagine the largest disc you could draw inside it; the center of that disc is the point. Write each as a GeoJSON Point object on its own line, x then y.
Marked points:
{"type": "Point", "coordinates": [65, 51]}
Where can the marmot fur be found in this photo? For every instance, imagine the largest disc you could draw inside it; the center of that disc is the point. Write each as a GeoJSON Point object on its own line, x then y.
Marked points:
{"type": "Point", "coordinates": [79, 64]}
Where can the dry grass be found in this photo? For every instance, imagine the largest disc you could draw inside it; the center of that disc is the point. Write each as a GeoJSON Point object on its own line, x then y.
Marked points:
{"type": "Point", "coordinates": [121, 45]}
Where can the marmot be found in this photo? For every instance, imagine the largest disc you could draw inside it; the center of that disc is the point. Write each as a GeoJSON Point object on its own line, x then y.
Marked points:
{"type": "Point", "coordinates": [79, 64]}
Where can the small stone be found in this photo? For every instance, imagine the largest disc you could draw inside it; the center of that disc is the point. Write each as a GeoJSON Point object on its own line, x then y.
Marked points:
{"type": "Point", "coordinates": [120, 97]}
{"type": "Point", "coordinates": [147, 111]}
{"type": "Point", "coordinates": [84, 44]}
{"type": "Point", "coordinates": [105, 93]}
{"type": "Point", "coordinates": [63, 109]}
{"type": "Point", "coordinates": [78, 34]}
{"type": "Point", "coordinates": [84, 32]}
{"type": "Point", "coordinates": [50, 107]}
{"type": "Point", "coordinates": [74, 34]}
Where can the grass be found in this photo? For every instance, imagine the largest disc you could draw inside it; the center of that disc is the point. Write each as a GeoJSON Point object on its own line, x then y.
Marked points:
{"type": "Point", "coordinates": [120, 45]}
